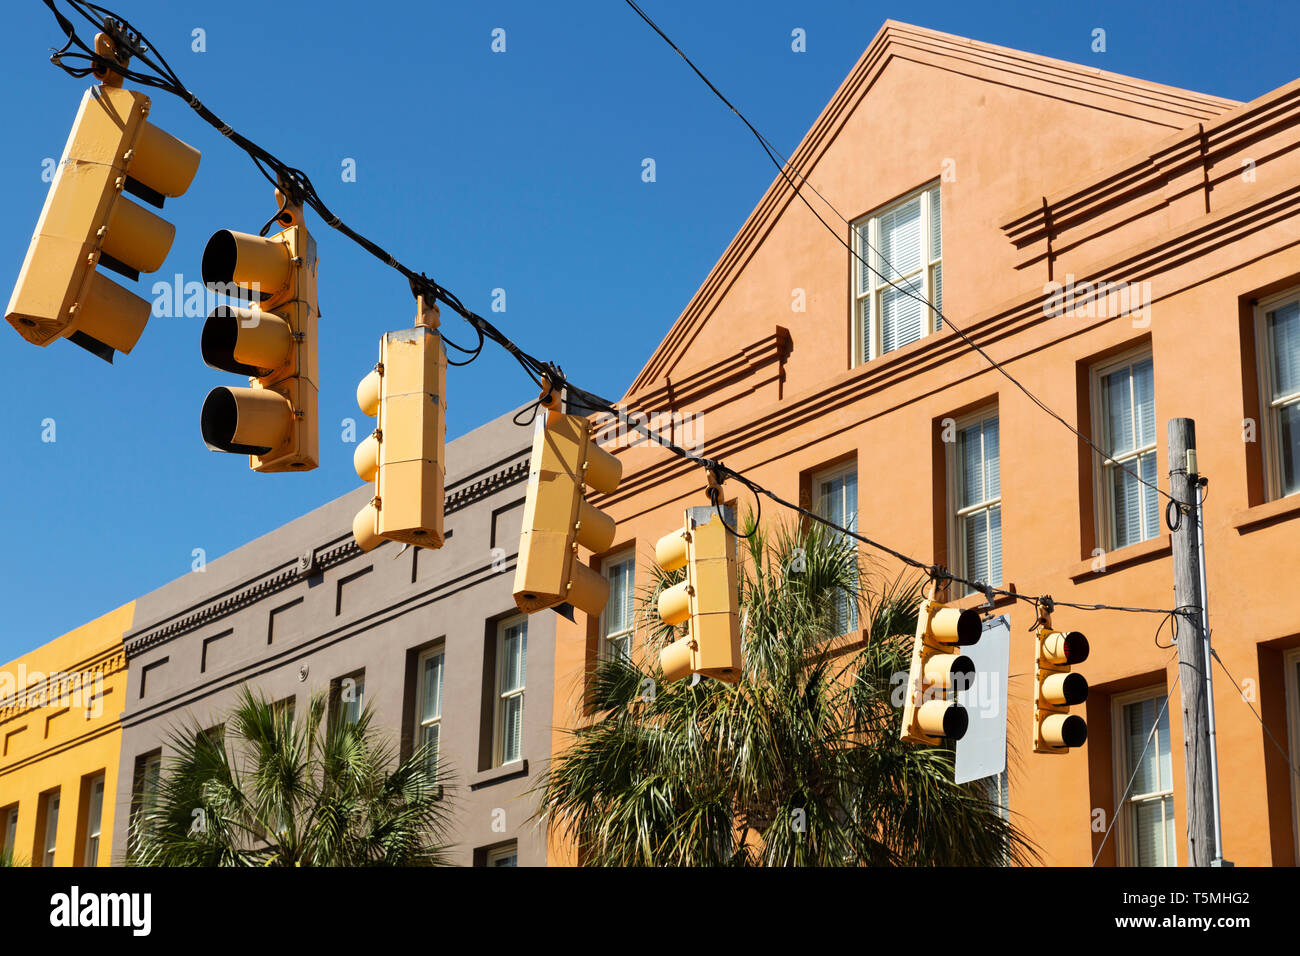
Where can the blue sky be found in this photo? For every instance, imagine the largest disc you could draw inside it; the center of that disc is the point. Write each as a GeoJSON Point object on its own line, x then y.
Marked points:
{"type": "Point", "coordinates": [518, 170]}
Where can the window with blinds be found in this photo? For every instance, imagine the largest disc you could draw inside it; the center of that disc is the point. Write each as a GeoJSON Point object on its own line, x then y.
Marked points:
{"type": "Point", "coordinates": [1278, 335]}
{"type": "Point", "coordinates": [835, 496]}
{"type": "Point", "coordinates": [976, 496]}
{"type": "Point", "coordinates": [144, 797]}
{"type": "Point", "coordinates": [1125, 415]}
{"type": "Point", "coordinates": [9, 832]}
{"type": "Point", "coordinates": [1143, 767]}
{"type": "Point", "coordinates": [94, 816]}
{"type": "Point", "coordinates": [512, 661]}
{"type": "Point", "coordinates": [428, 731]}
{"type": "Point", "coordinates": [348, 696]}
{"type": "Point", "coordinates": [898, 268]}
{"type": "Point", "coordinates": [50, 838]}
{"type": "Point", "coordinates": [617, 618]}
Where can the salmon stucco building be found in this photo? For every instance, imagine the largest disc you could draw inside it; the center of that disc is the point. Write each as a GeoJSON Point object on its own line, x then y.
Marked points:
{"type": "Point", "coordinates": [1126, 251]}
{"type": "Point", "coordinates": [60, 737]}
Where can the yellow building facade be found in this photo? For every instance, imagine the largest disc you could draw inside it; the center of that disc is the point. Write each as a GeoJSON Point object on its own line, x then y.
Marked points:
{"type": "Point", "coordinates": [60, 741]}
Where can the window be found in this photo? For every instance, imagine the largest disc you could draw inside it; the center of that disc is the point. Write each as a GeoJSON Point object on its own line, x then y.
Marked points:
{"type": "Point", "coordinates": [9, 832]}
{"type": "Point", "coordinates": [903, 243]}
{"type": "Point", "coordinates": [51, 801]}
{"type": "Point", "coordinates": [148, 771]}
{"type": "Point", "coordinates": [975, 494]}
{"type": "Point", "coordinates": [617, 619]}
{"type": "Point", "coordinates": [94, 816]}
{"type": "Point", "coordinates": [1291, 668]}
{"type": "Point", "coordinates": [429, 713]}
{"type": "Point", "coordinates": [507, 855]}
{"type": "Point", "coordinates": [1125, 412]}
{"type": "Point", "coordinates": [1146, 827]}
{"type": "Point", "coordinates": [512, 660]}
{"type": "Point", "coordinates": [1277, 332]}
{"type": "Point", "coordinates": [348, 696]}
{"type": "Point", "coordinates": [835, 494]}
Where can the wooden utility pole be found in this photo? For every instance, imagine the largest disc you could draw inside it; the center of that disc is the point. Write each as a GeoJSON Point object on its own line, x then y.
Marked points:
{"type": "Point", "coordinates": [1194, 682]}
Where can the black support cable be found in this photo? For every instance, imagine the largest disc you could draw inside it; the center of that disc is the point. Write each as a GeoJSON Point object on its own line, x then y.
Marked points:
{"type": "Point", "coordinates": [297, 187]}
{"type": "Point", "coordinates": [781, 162]}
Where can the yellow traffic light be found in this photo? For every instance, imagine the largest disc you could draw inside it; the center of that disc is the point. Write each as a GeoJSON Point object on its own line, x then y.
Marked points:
{"type": "Point", "coordinates": [707, 598]}
{"type": "Point", "coordinates": [87, 222]}
{"type": "Point", "coordinates": [558, 519]}
{"type": "Point", "coordinates": [406, 392]}
{"type": "Point", "coordinates": [938, 668]}
{"type": "Point", "coordinates": [1056, 689]}
{"type": "Point", "coordinates": [272, 341]}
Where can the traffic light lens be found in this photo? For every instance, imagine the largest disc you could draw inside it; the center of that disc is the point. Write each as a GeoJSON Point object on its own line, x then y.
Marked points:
{"type": "Point", "coordinates": [969, 628]}
{"type": "Point", "coordinates": [1076, 648]}
{"type": "Point", "coordinates": [955, 722]}
{"type": "Point", "coordinates": [1074, 731]}
{"type": "Point", "coordinates": [1075, 689]}
{"type": "Point", "coordinates": [219, 258]}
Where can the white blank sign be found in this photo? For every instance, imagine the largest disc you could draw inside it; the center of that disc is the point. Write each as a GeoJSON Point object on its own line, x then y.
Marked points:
{"type": "Point", "coordinates": [982, 752]}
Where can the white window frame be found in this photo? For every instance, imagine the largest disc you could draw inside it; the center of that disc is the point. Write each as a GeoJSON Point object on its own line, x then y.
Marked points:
{"type": "Point", "coordinates": [501, 694]}
{"type": "Point", "coordinates": [1103, 472]}
{"type": "Point", "coordinates": [94, 821]}
{"type": "Point", "coordinates": [1270, 408]}
{"type": "Point", "coordinates": [956, 547]}
{"type": "Point", "coordinates": [421, 722]}
{"type": "Point", "coordinates": [1291, 669]}
{"type": "Point", "coordinates": [865, 351]}
{"type": "Point", "coordinates": [608, 645]}
{"type": "Point", "coordinates": [502, 852]}
{"type": "Point", "coordinates": [9, 833]}
{"type": "Point", "coordinates": [350, 710]}
{"type": "Point", "coordinates": [1121, 772]}
{"type": "Point", "coordinates": [816, 481]}
{"type": "Point", "coordinates": [49, 840]}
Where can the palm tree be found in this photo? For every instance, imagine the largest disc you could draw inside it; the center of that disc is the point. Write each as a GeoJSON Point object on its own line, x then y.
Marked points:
{"type": "Point", "coordinates": [799, 763]}
{"type": "Point", "coordinates": [268, 790]}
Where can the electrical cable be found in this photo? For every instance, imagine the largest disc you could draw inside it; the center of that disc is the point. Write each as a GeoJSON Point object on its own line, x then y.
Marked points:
{"type": "Point", "coordinates": [297, 187]}
{"type": "Point", "coordinates": [1280, 748]}
{"type": "Point", "coordinates": [781, 162]}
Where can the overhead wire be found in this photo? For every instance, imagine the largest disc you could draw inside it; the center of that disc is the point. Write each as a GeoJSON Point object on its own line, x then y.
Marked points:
{"type": "Point", "coordinates": [781, 163]}
{"type": "Point", "coordinates": [295, 185]}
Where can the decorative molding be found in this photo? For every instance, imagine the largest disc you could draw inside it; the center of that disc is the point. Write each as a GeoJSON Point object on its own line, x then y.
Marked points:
{"type": "Point", "coordinates": [37, 695]}
{"type": "Point", "coordinates": [312, 561]}
{"type": "Point", "coordinates": [511, 474]}
{"type": "Point", "coordinates": [1153, 178]}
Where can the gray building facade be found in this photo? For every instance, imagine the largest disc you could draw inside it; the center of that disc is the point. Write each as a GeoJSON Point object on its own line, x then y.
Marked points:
{"type": "Point", "coordinates": [302, 609]}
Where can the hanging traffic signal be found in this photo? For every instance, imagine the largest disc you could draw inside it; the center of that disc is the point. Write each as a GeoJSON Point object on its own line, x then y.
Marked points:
{"type": "Point", "coordinates": [406, 392]}
{"type": "Point", "coordinates": [1056, 689]}
{"type": "Point", "coordinates": [938, 668]}
{"type": "Point", "coordinates": [558, 519]}
{"type": "Point", "coordinates": [87, 223]}
{"type": "Point", "coordinates": [272, 341]}
{"type": "Point", "coordinates": [707, 598]}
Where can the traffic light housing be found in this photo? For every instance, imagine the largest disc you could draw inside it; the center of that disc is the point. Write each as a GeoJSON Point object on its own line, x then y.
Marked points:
{"type": "Point", "coordinates": [558, 518]}
{"type": "Point", "coordinates": [1057, 689]}
{"type": "Point", "coordinates": [707, 598]}
{"type": "Point", "coordinates": [938, 667]}
{"type": "Point", "coordinates": [87, 223]}
{"type": "Point", "coordinates": [403, 457]}
{"type": "Point", "coordinates": [272, 340]}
